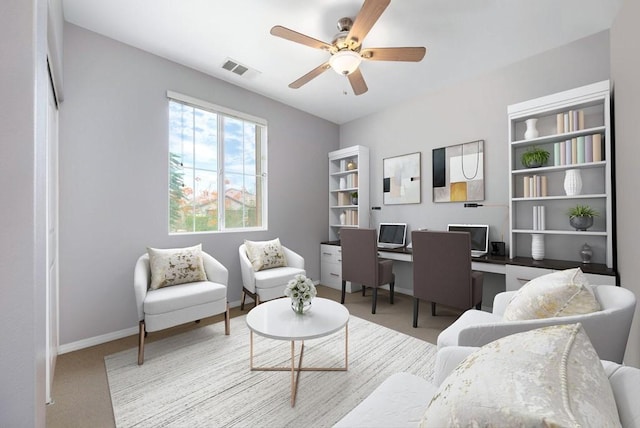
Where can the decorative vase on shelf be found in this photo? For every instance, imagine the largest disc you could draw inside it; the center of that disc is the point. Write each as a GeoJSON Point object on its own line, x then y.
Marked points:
{"type": "Point", "coordinates": [572, 182]}
{"type": "Point", "coordinates": [531, 131]}
{"type": "Point", "coordinates": [343, 183]}
{"type": "Point", "coordinates": [343, 217]}
{"type": "Point", "coordinates": [351, 165]}
{"type": "Point", "coordinates": [585, 253]}
{"type": "Point", "coordinates": [537, 246]}
{"type": "Point", "coordinates": [300, 306]}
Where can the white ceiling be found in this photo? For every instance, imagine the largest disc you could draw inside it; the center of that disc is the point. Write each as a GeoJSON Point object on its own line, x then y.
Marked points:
{"type": "Point", "coordinates": [463, 38]}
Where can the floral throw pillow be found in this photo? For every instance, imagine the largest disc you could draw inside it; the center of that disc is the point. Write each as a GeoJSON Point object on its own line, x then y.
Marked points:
{"type": "Point", "coordinates": [175, 266]}
{"type": "Point", "coordinates": [549, 377]}
{"type": "Point", "coordinates": [265, 254]}
{"type": "Point", "coordinates": [559, 294]}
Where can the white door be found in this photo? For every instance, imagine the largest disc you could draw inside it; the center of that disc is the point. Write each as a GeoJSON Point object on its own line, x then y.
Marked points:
{"type": "Point", "coordinates": [52, 241]}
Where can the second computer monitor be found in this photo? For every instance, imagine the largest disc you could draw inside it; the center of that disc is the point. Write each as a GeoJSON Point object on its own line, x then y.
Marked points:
{"type": "Point", "coordinates": [479, 237]}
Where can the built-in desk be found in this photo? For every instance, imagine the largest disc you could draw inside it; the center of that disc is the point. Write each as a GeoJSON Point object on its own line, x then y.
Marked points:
{"type": "Point", "coordinates": [517, 271]}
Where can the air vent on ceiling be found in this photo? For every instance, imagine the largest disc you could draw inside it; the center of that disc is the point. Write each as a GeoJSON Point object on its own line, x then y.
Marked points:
{"type": "Point", "coordinates": [239, 69]}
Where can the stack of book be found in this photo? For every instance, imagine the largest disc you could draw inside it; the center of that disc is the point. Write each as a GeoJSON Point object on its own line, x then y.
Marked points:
{"type": "Point", "coordinates": [570, 121]}
{"type": "Point", "coordinates": [535, 186]}
{"type": "Point", "coordinates": [344, 198]}
{"type": "Point", "coordinates": [538, 217]}
{"type": "Point", "coordinates": [352, 180]}
{"type": "Point", "coordinates": [583, 149]}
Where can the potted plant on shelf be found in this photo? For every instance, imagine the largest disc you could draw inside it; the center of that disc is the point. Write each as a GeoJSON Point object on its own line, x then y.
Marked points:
{"type": "Point", "coordinates": [581, 217]}
{"type": "Point", "coordinates": [354, 198]}
{"type": "Point", "coordinates": [534, 157]}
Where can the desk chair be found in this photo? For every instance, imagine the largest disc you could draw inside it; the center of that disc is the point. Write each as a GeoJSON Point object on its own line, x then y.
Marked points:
{"type": "Point", "coordinates": [442, 271]}
{"type": "Point", "coordinates": [360, 263]}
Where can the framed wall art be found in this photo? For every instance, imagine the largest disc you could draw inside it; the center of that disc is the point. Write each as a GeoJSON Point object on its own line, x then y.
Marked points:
{"type": "Point", "coordinates": [401, 179]}
{"type": "Point", "coordinates": [458, 172]}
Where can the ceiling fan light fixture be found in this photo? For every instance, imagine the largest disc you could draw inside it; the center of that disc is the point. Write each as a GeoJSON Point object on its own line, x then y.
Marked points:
{"type": "Point", "coordinates": [345, 62]}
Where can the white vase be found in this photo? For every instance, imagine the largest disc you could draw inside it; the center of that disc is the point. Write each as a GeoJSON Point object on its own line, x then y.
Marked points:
{"type": "Point", "coordinates": [537, 246]}
{"type": "Point", "coordinates": [343, 217]}
{"type": "Point", "coordinates": [572, 182]}
{"type": "Point", "coordinates": [531, 131]}
{"type": "Point", "coordinates": [343, 183]}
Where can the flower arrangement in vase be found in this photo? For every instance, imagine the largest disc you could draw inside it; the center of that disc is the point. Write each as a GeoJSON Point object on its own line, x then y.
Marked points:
{"type": "Point", "coordinates": [301, 291]}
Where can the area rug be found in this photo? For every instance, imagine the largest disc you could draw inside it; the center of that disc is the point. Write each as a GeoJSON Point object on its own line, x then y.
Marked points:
{"type": "Point", "coordinates": [202, 378]}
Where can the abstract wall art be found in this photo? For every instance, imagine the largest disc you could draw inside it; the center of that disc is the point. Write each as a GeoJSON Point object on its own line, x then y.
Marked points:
{"type": "Point", "coordinates": [401, 179]}
{"type": "Point", "coordinates": [458, 172]}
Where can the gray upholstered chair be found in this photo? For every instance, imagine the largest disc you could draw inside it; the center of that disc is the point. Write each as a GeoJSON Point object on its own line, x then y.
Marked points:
{"type": "Point", "coordinates": [179, 304]}
{"type": "Point", "coordinates": [360, 263]}
{"type": "Point", "coordinates": [268, 284]}
{"type": "Point", "coordinates": [442, 271]}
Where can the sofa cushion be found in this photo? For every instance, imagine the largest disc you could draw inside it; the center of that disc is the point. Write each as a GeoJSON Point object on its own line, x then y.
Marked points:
{"type": "Point", "coordinates": [399, 401]}
{"type": "Point", "coordinates": [265, 254]}
{"type": "Point", "coordinates": [169, 299]}
{"type": "Point", "coordinates": [557, 294]}
{"type": "Point", "coordinates": [174, 266]}
{"type": "Point", "coordinates": [546, 377]}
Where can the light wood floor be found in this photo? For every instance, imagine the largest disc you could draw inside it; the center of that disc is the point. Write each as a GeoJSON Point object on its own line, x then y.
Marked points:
{"type": "Point", "coordinates": [81, 392]}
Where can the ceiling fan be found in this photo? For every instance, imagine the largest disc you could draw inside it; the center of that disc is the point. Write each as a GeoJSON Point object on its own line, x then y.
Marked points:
{"type": "Point", "coordinates": [346, 49]}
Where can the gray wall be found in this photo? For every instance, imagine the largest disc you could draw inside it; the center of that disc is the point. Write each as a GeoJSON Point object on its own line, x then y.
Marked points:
{"type": "Point", "coordinates": [625, 70]}
{"type": "Point", "coordinates": [467, 111]}
{"type": "Point", "coordinates": [113, 175]}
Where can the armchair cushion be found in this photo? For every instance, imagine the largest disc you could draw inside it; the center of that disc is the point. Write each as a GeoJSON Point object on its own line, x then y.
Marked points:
{"type": "Point", "coordinates": [546, 377]}
{"type": "Point", "coordinates": [265, 254]}
{"type": "Point", "coordinates": [170, 299]}
{"type": "Point", "coordinates": [175, 266]}
{"type": "Point", "coordinates": [557, 294]}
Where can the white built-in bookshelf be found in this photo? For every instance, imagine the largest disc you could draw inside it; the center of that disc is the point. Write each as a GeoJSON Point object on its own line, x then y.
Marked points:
{"type": "Point", "coordinates": [574, 127]}
{"type": "Point", "coordinates": [348, 174]}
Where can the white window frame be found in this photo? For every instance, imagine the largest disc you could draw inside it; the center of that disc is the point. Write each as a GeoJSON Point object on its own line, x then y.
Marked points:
{"type": "Point", "coordinates": [226, 112]}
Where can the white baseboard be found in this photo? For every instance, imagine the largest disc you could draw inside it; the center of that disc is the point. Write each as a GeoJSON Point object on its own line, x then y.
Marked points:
{"type": "Point", "coordinates": [108, 337]}
{"type": "Point", "coordinates": [96, 340]}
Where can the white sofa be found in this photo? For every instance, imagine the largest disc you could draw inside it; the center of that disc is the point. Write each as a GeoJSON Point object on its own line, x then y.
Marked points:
{"type": "Point", "coordinates": [401, 400]}
{"type": "Point", "coordinates": [608, 329]}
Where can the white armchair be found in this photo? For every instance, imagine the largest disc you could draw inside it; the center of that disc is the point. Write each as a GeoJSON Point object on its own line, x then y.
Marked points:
{"type": "Point", "coordinates": [608, 329]}
{"type": "Point", "coordinates": [178, 304]}
{"type": "Point", "coordinates": [268, 284]}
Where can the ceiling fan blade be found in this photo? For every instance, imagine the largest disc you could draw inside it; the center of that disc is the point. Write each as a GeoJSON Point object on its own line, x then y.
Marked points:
{"type": "Point", "coordinates": [357, 82]}
{"type": "Point", "coordinates": [294, 36]}
{"type": "Point", "coordinates": [310, 75]}
{"type": "Point", "coordinates": [394, 54]}
{"type": "Point", "coordinates": [368, 15]}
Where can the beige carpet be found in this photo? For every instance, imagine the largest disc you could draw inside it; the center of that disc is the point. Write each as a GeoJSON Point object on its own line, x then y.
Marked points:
{"type": "Point", "coordinates": [202, 377]}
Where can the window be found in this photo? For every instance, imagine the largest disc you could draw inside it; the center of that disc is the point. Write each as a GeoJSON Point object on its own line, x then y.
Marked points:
{"type": "Point", "coordinates": [217, 168]}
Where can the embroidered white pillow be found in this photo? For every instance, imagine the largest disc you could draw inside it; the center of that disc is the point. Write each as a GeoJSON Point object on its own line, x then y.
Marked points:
{"type": "Point", "coordinates": [174, 266]}
{"type": "Point", "coordinates": [265, 254]}
{"type": "Point", "coordinates": [546, 377]}
{"type": "Point", "coordinates": [557, 294]}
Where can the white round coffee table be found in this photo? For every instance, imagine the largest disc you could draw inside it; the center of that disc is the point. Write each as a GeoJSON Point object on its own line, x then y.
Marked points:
{"type": "Point", "coordinates": [276, 320]}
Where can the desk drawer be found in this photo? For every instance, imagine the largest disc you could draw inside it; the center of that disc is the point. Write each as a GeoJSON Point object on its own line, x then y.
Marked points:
{"type": "Point", "coordinates": [330, 254]}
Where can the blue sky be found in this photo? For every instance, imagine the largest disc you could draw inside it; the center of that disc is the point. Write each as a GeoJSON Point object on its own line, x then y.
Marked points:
{"type": "Point", "coordinates": [193, 135]}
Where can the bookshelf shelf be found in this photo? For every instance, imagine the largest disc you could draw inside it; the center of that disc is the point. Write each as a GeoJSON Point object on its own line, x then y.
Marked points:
{"type": "Point", "coordinates": [584, 113]}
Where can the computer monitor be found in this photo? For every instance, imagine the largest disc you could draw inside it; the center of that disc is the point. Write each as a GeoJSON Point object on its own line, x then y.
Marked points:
{"type": "Point", "coordinates": [479, 237]}
{"type": "Point", "coordinates": [392, 235]}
